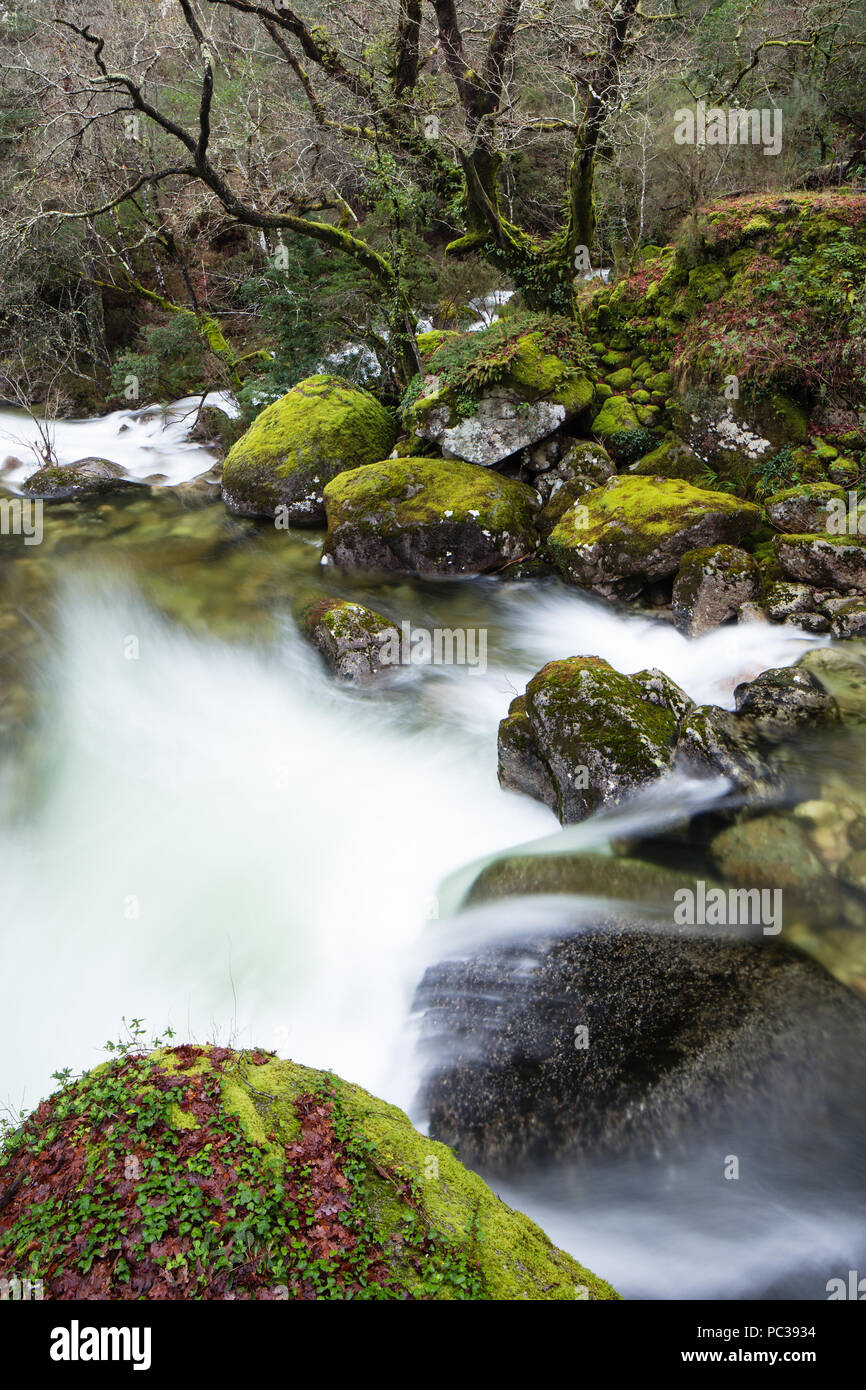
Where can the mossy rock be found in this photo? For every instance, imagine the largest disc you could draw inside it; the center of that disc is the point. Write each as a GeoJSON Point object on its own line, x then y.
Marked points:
{"type": "Point", "coordinates": [484, 396]}
{"type": "Point", "coordinates": [621, 380]}
{"type": "Point", "coordinates": [831, 562]}
{"type": "Point", "coordinates": [642, 527]}
{"type": "Point", "coordinates": [673, 458]}
{"type": "Point", "coordinates": [807, 509]}
{"type": "Point", "coordinates": [710, 586]}
{"type": "Point", "coordinates": [428, 516]}
{"type": "Point", "coordinates": [320, 428]}
{"type": "Point", "coordinates": [90, 477]}
{"type": "Point", "coordinates": [206, 1173]}
{"type": "Point", "coordinates": [616, 415]}
{"type": "Point", "coordinates": [356, 642]}
{"type": "Point", "coordinates": [585, 736]}
{"type": "Point", "coordinates": [433, 339]}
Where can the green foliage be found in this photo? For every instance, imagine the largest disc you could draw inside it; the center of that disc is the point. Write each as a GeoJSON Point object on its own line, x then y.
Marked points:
{"type": "Point", "coordinates": [628, 446]}
{"type": "Point", "coordinates": [171, 363]}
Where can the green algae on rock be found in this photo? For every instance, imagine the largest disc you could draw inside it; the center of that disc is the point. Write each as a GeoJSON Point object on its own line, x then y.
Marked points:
{"type": "Point", "coordinates": [642, 527]}
{"type": "Point", "coordinates": [352, 639]}
{"type": "Point", "coordinates": [585, 736]}
{"type": "Point", "coordinates": [428, 517]}
{"type": "Point", "coordinates": [320, 428]}
{"type": "Point", "coordinates": [207, 1173]}
{"type": "Point", "coordinates": [90, 477]}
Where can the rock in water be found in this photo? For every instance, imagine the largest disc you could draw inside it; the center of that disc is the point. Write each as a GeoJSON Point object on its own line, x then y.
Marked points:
{"type": "Point", "coordinates": [320, 428]}
{"type": "Point", "coordinates": [628, 1040]}
{"type": "Point", "coordinates": [89, 477]}
{"type": "Point", "coordinates": [434, 517]}
{"type": "Point", "coordinates": [354, 640]}
{"type": "Point", "coordinates": [710, 586]}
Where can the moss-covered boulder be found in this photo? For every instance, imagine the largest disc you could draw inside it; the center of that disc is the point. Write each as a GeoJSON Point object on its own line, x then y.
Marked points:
{"type": "Point", "coordinates": [320, 428]}
{"type": "Point", "coordinates": [673, 458]}
{"type": "Point", "coordinates": [428, 516]}
{"type": "Point", "coordinates": [356, 642]}
{"type": "Point", "coordinates": [585, 736]}
{"type": "Point", "coordinates": [205, 1173]}
{"type": "Point", "coordinates": [642, 527]}
{"type": "Point", "coordinates": [831, 562]}
{"type": "Point", "coordinates": [484, 396]}
{"type": "Point", "coordinates": [710, 586]}
{"type": "Point", "coordinates": [90, 477]}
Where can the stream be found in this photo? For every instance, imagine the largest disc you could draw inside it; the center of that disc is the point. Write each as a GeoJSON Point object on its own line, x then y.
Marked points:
{"type": "Point", "coordinates": [199, 828]}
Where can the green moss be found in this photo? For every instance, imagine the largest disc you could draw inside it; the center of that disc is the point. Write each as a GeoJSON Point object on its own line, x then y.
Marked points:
{"type": "Point", "coordinates": [420, 491]}
{"type": "Point", "coordinates": [414, 1222]}
{"type": "Point", "coordinates": [320, 428]}
{"type": "Point", "coordinates": [616, 415]}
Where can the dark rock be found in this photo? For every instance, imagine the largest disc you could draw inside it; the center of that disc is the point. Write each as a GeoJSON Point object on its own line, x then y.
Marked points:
{"type": "Point", "coordinates": [710, 586]}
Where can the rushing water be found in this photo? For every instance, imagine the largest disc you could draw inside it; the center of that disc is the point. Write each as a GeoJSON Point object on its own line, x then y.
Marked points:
{"type": "Point", "coordinates": [202, 830]}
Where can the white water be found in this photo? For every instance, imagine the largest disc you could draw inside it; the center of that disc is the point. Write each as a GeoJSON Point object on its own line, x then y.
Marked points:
{"type": "Point", "coordinates": [146, 442]}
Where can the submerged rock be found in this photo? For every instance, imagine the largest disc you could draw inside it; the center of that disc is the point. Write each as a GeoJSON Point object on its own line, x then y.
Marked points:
{"type": "Point", "coordinates": [429, 517]}
{"type": "Point", "coordinates": [305, 1187]}
{"type": "Point", "coordinates": [773, 851]}
{"type": "Point", "coordinates": [320, 428]}
{"type": "Point", "coordinates": [641, 528]}
{"type": "Point", "coordinates": [354, 640]}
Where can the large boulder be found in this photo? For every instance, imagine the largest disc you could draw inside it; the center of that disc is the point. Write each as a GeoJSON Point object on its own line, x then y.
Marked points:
{"type": "Point", "coordinates": [428, 516]}
{"type": "Point", "coordinates": [206, 1173]}
{"type": "Point", "coordinates": [320, 428]}
{"type": "Point", "coordinates": [710, 586]}
{"type": "Point", "coordinates": [488, 395]}
{"type": "Point", "coordinates": [640, 528]}
{"type": "Point", "coordinates": [831, 562]}
{"type": "Point", "coordinates": [584, 736]}
{"type": "Point", "coordinates": [634, 1037]}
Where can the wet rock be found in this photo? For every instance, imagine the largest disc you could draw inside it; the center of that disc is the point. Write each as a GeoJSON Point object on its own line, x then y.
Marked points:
{"type": "Point", "coordinates": [640, 528]}
{"type": "Point", "coordinates": [355, 641]}
{"type": "Point", "coordinates": [849, 620]}
{"type": "Point", "coordinates": [716, 742]}
{"type": "Point", "coordinates": [779, 702]}
{"type": "Point", "coordinates": [584, 736]}
{"type": "Point", "coordinates": [774, 852]}
{"type": "Point", "coordinates": [90, 477]}
{"type": "Point", "coordinates": [711, 585]}
{"type": "Point", "coordinates": [628, 1038]}
{"type": "Point", "coordinates": [784, 599]}
{"type": "Point", "coordinates": [842, 674]}
{"type": "Point", "coordinates": [428, 516]}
